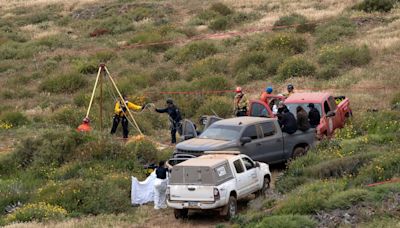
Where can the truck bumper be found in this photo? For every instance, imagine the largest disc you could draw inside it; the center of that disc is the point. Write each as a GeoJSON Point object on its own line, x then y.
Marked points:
{"type": "Point", "coordinates": [195, 205]}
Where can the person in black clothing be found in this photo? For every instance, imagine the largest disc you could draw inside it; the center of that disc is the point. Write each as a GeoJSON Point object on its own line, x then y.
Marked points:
{"type": "Point", "coordinates": [302, 119]}
{"type": "Point", "coordinates": [160, 185]}
{"type": "Point", "coordinates": [174, 117]}
{"type": "Point", "coordinates": [286, 120]}
{"type": "Point", "coordinates": [313, 116]}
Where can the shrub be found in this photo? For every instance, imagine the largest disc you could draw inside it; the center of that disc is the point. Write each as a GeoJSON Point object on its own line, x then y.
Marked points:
{"type": "Point", "coordinates": [295, 67]}
{"type": "Point", "coordinates": [89, 196]}
{"type": "Point", "coordinates": [381, 168]}
{"type": "Point", "coordinates": [267, 61]}
{"type": "Point", "coordinates": [221, 8]}
{"type": "Point", "coordinates": [251, 73]}
{"type": "Point", "coordinates": [339, 167]}
{"type": "Point", "coordinates": [70, 116]}
{"type": "Point", "coordinates": [115, 25]}
{"type": "Point", "coordinates": [219, 24]}
{"type": "Point", "coordinates": [334, 30]}
{"type": "Point", "coordinates": [208, 66]}
{"type": "Point", "coordinates": [309, 198]}
{"type": "Point", "coordinates": [344, 56]}
{"type": "Point", "coordinates": [165, 73]}
{"type": "Point", "coordinates": [328, 72]}
{"type": "Point", "coordinates": [395, 101]}
{"type": "Point", "coordinates": [222, 106]}
{"type": "Point", "coordinates": [212, 83]}
{"type": "Point", "coordinates": [286, 43]}
{"type": "Point", "coordinates": [288, 183]}
{"type": "Point", "coordinates": [66, 83]}
{"type": "Point", "coordinates": [37, 212]}
{"type": "Point", "coordinates": [287, 221]}
{"type": "Point", "coordinates": [12, 192]}
{"type": "Point", "coordinates": [145, 151]}
{"type": "Point", "coordinates": [375, 5]}
{"type": "Point", "coordinates": [346, 199]}
{"type": "Point", "coordinates": [195, 51]}
{"type": "Point", "coordinates": [141, 56]}
{"type": "Point", "coordinates": [14, 118]}
{"type": "Point", "coordinates": [104, 56]}
{"type": "Point", "coordinates": [82, 99]}
{"type": "Point", "coordinates": [294, 20]}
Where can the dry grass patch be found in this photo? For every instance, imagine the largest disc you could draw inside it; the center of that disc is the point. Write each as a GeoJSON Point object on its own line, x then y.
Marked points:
{"type": "Point", "coordinates": [384, 36]}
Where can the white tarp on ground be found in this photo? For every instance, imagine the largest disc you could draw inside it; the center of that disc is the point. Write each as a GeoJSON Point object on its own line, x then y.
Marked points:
{"type": "Point", "coordinates": [143, 192]}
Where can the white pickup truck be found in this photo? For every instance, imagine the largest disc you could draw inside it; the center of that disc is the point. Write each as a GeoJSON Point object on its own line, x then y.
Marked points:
{"type": "Point", "coordinates": [215, 181]}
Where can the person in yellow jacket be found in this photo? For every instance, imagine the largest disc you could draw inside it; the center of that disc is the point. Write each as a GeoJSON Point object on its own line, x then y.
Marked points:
{"type": "Point", "coordinates": [120, 111]}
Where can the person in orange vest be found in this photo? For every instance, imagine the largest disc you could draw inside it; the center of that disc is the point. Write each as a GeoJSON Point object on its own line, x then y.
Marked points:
{"type": "Point", "coordinates": [85, 126]}
{"type": "Point", "coordinates": [266, 94]}
{"type": "Point", "coordinates": [120, 111]}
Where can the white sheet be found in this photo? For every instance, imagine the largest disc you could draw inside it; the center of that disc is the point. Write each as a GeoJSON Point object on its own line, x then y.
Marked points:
{"type": "Point", "coordinates": [143, 192]}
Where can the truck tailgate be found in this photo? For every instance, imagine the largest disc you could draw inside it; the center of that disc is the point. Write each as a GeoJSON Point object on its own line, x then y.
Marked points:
{"type": "Point", "coordinates": [191, 193]}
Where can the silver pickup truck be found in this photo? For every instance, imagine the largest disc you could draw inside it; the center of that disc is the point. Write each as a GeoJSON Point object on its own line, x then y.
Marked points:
{"type": "Point", "coordinates": [259, 138]}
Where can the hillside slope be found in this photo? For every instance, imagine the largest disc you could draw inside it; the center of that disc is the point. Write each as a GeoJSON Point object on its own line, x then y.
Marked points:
{"type": "Point", "coordinates": [49, 56]}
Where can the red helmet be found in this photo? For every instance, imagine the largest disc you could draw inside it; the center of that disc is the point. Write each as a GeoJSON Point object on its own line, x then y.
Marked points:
{"type": "Point", "coordinates": [238, 89]}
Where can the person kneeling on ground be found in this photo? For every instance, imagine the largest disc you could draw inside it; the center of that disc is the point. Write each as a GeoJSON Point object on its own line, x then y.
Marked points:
{"type": "Point", "coordinates": [286, 119]}
{"type": "Point", "coordinates": [302, 119]}
{"type": "Point", "coordinates": [160, 185]}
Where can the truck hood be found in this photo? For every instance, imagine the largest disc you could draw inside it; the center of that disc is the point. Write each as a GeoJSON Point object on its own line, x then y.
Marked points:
{"type": "Point", "coordinates": [198, 144]}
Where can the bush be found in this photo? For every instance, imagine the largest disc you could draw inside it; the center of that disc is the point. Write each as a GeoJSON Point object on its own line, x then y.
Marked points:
{"type": "Point", "coordinates": [222, 106]}
{"type": "Point", "coordinates": [295, 67]}
{"type": "Point", "coordinates": [339, 167]}
{"type": "Point", "coordinates": [145, 151]}
{"type": "Point", "coordinates": [86, 67]}
{"type": "Point", "coordinates": [395, 101]}
{"type": "Point", "coordinates": [283, 42]}
{"type": "Point", "coordinates": [328, 72]}
{"type": "Point", "coordinates": [345, 199]}
{"type": "Point", "coordinates": [66, 83]}
{"type": "Point", "coordinates": [375, 5]}
{"type": "Point", "coordinates": [37, 212]}
{"type": "Point", "coordinates": [344, 56]}
{"type": "Point", "coordinates": [212, 83]}
{"type": "Point", "coordinates": [208, 66]}
{"type": "Point", "coordinates": [70, 116]}
{"type": "Point", "coordinates": [251, 73]}
{"type": "Point", "coordinates": [14, 118]}
{"type": "Point", "coordinates": [381, 168]}
{"type": "Point", "coordinates": [334, 30]}
{"type": "Point", "coordinates": [82, 99]}
{"type": "Point", "coordinates": [266, 61]}
{"type": "Point", "coordinates": [294, 20]}
{"type": "Point", "coordinates": [287, 221]}
{"type": "Point", "coordinates": [195, 51]}
{"type": "Point", "coordinates": [288, 183]}
{"type": "Point", "coordinates": [165, 73]}
{"type": "Point", "coordinates": [89, 196]}
{"type": "Point", "coordinates": [309, 198]}
{"type": "Point", "coordinates": [221, 8]}
{"type": "Point", "coordinates": [141, 56]}
{"type": "Point", "coordinates": [219, 24]}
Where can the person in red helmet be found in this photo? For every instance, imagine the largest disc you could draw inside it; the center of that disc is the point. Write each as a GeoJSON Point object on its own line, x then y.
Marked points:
{"type": "Point", "coordinates": [85, 126]}
{"type": "Point", "coordinates": [240, 102]}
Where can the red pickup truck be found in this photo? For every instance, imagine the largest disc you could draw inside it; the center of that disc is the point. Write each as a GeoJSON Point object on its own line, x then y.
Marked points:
{"type": "Point", "coordinates": [333, 110]}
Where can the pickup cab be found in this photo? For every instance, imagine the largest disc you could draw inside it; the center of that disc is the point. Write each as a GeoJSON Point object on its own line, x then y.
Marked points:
{"type": "Point", "coordinates": [333, 110]}
{"type": "Point", "coordinates": [215, 181]}
{"type": "Point", "coordinates": [259, 138]}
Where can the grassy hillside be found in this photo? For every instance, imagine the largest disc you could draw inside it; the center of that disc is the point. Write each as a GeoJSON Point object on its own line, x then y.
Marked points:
{"type": "Point", "coordinates": [50, 52]}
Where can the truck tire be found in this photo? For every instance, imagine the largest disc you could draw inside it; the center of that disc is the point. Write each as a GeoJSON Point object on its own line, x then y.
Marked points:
{"type": "Point", "coordinates": [181, 213]}
{"type": "Point", "coordinates": [298, 151]}
{"type": "Point", "coordinates": [232, 208]}
{"type": "Point", "coordinates": [264, 187]}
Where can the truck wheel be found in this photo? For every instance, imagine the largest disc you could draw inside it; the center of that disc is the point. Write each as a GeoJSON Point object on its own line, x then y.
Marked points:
{"type": "Point", "coordinates": [298, 151]}
{"type": "Point", "coordinates": [264, 187]}
{"type": "Point", "coordinates": [181, 213]}
{"type": "Point", "coordinates": [232, 208]}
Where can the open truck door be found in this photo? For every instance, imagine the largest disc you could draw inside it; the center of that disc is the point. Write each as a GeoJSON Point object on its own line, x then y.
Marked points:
{"type": "Point", "coordinates": [188, 130]}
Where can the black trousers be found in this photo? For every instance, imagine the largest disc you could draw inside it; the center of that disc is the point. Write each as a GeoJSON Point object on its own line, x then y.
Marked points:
{"type": "Point", "coordinates": [174, 128]}
{"type": "Point", "coordinates": [124, 123]}
{"type": "Point", "coordinates": [241, 112]}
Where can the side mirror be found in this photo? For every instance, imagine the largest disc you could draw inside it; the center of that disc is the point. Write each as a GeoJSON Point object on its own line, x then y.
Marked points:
{"type": "Point", "coordinates": [257, 164]}
{"type": "Point", "coordinates": [245, 140]}
{"type": "Point", "coordinates": [330, 114]}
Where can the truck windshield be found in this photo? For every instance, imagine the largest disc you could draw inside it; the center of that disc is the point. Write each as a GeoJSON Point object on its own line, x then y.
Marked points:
{"type": "Point", "coordinates": [221, 132]}
{"type": "Point", "coordinates": [292, 107]}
